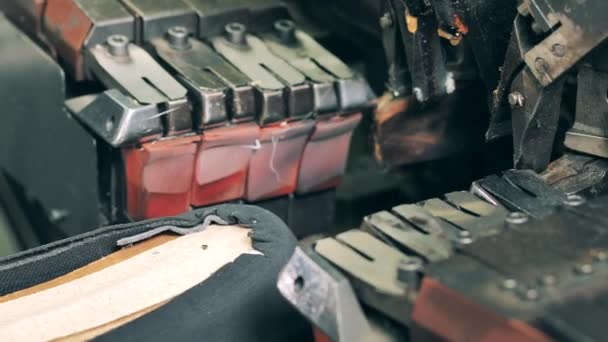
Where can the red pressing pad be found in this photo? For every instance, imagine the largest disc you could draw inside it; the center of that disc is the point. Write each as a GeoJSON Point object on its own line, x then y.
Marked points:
{"type": "Point", "coordinates": [159, 177]}
{"type": "Point", "coordinates": [222, 163]}
{"type": "Point", "coordinates": [273, 170]}
{"type": "Point", "coordinates": [326, 153]}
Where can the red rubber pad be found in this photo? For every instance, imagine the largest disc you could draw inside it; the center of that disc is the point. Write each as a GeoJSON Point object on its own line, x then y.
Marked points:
{"type": "Point", "coordinates": [159, 177]}
{"type": "Point", "coordinates": [326, 153]}
{"type": "Point", "coordinates": [222, 163]}
{"type": "Point", "coordinates": [274, 165]}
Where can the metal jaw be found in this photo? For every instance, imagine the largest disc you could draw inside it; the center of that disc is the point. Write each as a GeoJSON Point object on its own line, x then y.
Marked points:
{"type": "Point", "coordinates": [219, 91]}
{"type": "Point", "coordinates": [323, 295]}
{"type": "Point", "coordinates": [272, 77]}
{"type": "Point", "coordinates": [120, 64]}
{"type": "Point", "coordinates": [335, 85]}
{"type": "Point", "coordinates": [116, 118]}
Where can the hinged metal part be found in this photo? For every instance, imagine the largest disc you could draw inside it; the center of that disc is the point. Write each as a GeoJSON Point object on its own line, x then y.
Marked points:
{"type": "Point", "coordinates": [123, 65]}
{"type": "Point", "coordinates": [116, 118]}
{"type": "Point", "coordinates": [219, 91]}
{"type": "Point", "coordinates": [334, 84]}
{"type": "Point", "coordinates": [272, 77]}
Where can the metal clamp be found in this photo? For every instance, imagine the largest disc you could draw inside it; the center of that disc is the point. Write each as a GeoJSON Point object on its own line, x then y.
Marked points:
{"type": "Point", "coordinates": [120, 64]}
{"type": "Point", "coordinates": [319, 66]}
{"type": "Point", "coordinates": [217, 87]}
{"type": "Point", "coordinates": [272, 77]}
{"type": "Point", "coordinates": [116, 118]}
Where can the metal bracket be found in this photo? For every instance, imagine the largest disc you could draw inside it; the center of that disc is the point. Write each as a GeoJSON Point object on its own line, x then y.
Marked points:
{"type": "Point", "coordinates": [216, 86]}
{"type": "Point", "coordinates": [320, 66]}
{"type": "Point", "coordinates": [154, 18]}
{"type": "Point", "coordinates": [582, 27]}
{"type": "Point", "coordinates": [271, 76]}
{"type": "Point", "coordinates": [323, 295]}
{"type": "Point", "coordinates": [116, 118]}
{"type": "Point", "coordinates": [120, 64]}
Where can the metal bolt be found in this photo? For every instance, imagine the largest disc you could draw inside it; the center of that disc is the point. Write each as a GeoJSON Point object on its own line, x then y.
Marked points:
{"type": "Point", "coordinates": [541, 65]}
{"type": "Point", "coordinates": [408, 271]}
{"type": "Point", "coordinates": [286, 30]}
{"type": "Point", "coordinates": [236, 33]}
{"type": "Point", "coordinates": [516, 99]}
{"type": "Point", "coordinates": [574, 200]}
{"type": "Point", "coordinates": [178, 37]}
{"type": "Point", "coordinates": [548, 280]}
{"type": "Point", "coordinates": [386, 21]}
{"type": "Point", "coordinates": [465, 240]}
{"type": "Point", "coordinates": [558, 50]}
{"type": "Point", "coordinates": [118, 45]}
{"type": "Point", "coordinates": [509, 284]}
{"type": "Point", "coordinates": [583, 269]}
{"type": "Point", "coordinates": [517, 217]}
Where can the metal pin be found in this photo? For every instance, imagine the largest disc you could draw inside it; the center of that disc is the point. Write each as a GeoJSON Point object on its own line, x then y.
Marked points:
{"type": "Point", "coordinates": [178, 37]}
{"type": "Point", "coordinates": [118, 45]}
{"type": "Point", "coordinates": [517, 217]}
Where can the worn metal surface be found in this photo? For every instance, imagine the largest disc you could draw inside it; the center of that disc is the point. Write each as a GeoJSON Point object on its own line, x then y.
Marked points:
{"type": "Point", "coordinates": [154, 18]}
{"type": "Point", "coordinates": [270, 75]}
{"type": "Point", "coordinates": [535, 121]}
{"type": "Point", "coordinates": [219, 91]}
{"type": "Point", "coordinates": [575, 28]}
{"type": "Point", "coordinates": [257, 14]}
{"type": "Point", "coordinates": [43, 149]}
{"type": "Point", "coordinates": [116, 118]}
{"type": "Point", "coordinates": [589, 134]}
{"type": "Point", "coordinates": [578, 174]}
{"type": "Point", "coordinates": [523, 190]}
{"type": "Point", "coordinates": [323, 295]}
{"type": "Point", "coordinates": [136, 73]}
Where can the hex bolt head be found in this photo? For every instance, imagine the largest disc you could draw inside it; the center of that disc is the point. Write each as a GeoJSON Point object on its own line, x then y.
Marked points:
{"type": "Point", "coordinates": [409, 271]}
{"type": "Point", "coordinates": [236, 33]}
{"type": "Point", "coordinates": [178, 37]}
{"type": "Point", "coordinates": [558, 50]}
{"type": "Point", "coordinates": [285, 30]}
{"type": "Point", "coordinates": [386, 21]}
{"type": "Point", "coordinates": [517, 217]}
{"type": "Point", "coordinates": [574, 200]}
{"type": "Point", "coordinates": [516, 99]}
{"type": "Point", "coordinates": [118, 45]}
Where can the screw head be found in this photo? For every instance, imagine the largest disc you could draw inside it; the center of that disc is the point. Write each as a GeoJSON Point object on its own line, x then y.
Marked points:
{"type": "Point", "coordinates": [236, 33]}
{"type": "Point", "coordinates": [408, 271]}
{"type": "Point", "coordinates": [178, 37]}
{"type": "Point", "coordinates": [517, 217]}
{"type": "Point", "coordinates": [118, 45]}
{"type": "Point", "coordinates": [558, 50]}
{"type": "Point", "coordinates": [574, 200]}
{"type": "Point", "coordinates": [285, 30]}
{"type": "Point", "coordinates": [541, 65]}
{"type": "Point", "coordinates": [516, 99]}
